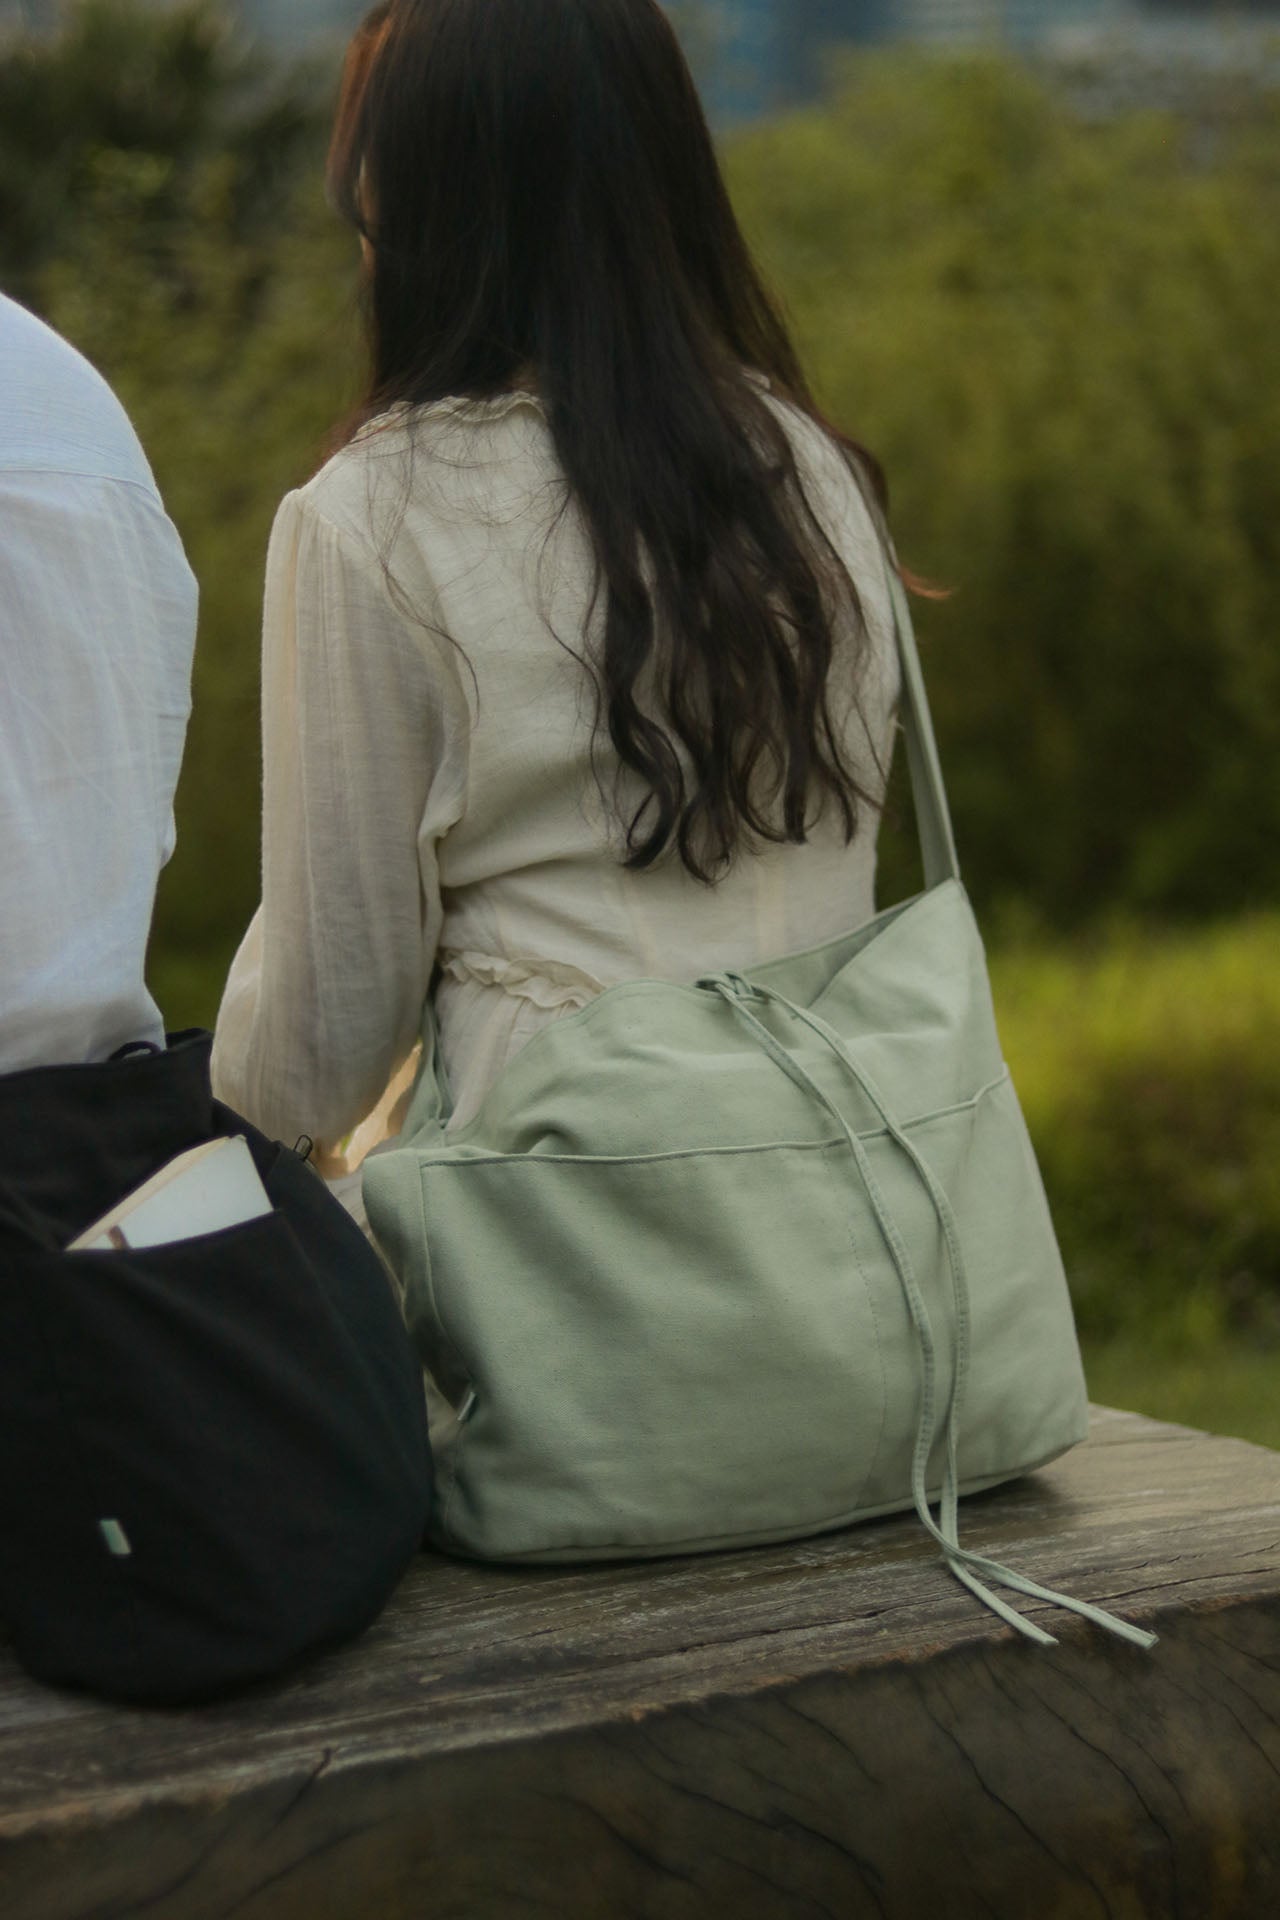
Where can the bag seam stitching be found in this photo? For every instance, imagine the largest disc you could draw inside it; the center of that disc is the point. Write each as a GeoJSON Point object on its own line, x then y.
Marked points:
{"type": "Point", "coordinates": [452, 1453]}
{"type": "Point", "coordinates": [923, 903]}
{"type": "Point", "coordinates": [869, 1295]}
{"type": "Point", "coordinates": [448, 1162]}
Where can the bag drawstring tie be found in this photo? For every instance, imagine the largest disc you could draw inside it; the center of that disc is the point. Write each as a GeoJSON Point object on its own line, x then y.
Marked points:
{"type": "Point", "coordinates": [973, 1570]}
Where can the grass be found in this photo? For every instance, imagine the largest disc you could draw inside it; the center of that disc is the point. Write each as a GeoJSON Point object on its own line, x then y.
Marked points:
{"type": "Point", "coordinates": [1226, 1386]}
{"type": "Point", "coordinates": [1148, 1065]}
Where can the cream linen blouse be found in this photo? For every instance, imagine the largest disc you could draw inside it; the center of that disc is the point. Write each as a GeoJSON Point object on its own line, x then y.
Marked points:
{"type": "Point", "coordinates": [430, 805]}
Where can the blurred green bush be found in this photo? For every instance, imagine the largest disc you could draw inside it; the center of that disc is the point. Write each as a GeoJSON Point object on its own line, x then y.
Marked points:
{"type": "Point", "coordinates": [1060, 336]}
{"type": "Point", "coordinates": [1148, 1066]}
{"type": "Point", "coordinates": [161, 204]}
{"type": "Point", "coordinates": [1223, 1386]}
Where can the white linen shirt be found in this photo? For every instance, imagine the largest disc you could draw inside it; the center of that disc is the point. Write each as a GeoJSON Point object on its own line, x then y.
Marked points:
{"type": "Point", "coordinates": [432, 805]}
{"type": "Point", "coordinates": [97, 628]}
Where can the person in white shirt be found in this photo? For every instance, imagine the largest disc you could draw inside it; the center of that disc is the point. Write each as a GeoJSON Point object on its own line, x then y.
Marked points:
{"type": "Point", "coordinates": [97, 631]}
{"type": "Point", "coordinates": [578, 661]}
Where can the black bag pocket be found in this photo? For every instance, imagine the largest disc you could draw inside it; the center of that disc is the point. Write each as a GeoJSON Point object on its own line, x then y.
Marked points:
{"type": "Point", "coordinates": [214, 1452]}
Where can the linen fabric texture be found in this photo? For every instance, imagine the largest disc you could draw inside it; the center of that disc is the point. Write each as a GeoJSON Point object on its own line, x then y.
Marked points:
{"type": "Point", "coordinates": [97, 631]}
{"type": "Point", "coordinates": [743, 1260]}
{"type": "Point", "coordinates": [213, 1460]}
{"type": "Point", "coordinates": [430, 810]}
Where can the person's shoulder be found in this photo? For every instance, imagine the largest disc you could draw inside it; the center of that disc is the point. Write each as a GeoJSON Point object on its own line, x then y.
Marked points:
{"type": "Point", "coordinates": [426, 462]}
{"type": "Point", "coordinates": [811, 440]}
{"type": "Point", "coordinates": [344, 489]}
{"type": "Point", "coordinates": [30, 346]}
{"type": "Point", "coordinates": [56, 411]}
{"type": "Point", "coordinates": [826, 469]}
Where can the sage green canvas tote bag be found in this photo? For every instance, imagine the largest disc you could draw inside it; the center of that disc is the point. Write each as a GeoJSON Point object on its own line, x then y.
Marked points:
{"type": "Point", "coordinates": [743, 1260]}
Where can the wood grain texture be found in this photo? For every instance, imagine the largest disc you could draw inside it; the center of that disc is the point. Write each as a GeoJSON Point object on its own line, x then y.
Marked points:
{"type": "Point", "coordinates": [829, 1728]}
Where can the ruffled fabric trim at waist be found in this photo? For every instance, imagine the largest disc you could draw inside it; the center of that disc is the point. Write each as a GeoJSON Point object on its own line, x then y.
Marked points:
{"type": "Point", "coordinates": [548, 984]}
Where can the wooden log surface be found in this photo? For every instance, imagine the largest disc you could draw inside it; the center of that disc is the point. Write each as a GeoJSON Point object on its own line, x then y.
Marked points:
{"type": "Point", "coordinates": [832, 1728]}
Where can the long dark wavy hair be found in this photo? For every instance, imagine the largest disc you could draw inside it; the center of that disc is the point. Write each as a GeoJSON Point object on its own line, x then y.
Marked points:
{"type": "Point", "coordinates": [539, 191]}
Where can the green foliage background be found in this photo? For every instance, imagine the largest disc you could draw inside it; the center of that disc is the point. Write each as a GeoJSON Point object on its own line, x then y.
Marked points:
{"type": "Point", "coordinates": [161, 205]}
{"type": "Point", "coordinates": [1059, 334]}
{"type": "Point", "coordinates": [1061, 339]}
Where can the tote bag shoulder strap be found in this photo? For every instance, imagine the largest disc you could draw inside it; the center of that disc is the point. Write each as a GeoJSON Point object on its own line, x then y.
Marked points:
{"type": "Point", "coordinates": [928, 790]}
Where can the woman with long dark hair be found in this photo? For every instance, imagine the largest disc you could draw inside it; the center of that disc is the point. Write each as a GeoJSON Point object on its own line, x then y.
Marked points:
{"type": "Point", "coordinates": [578, 663]}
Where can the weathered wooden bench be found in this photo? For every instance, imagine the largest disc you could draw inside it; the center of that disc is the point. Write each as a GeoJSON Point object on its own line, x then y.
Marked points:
{"type": "Point", "coordinates": [832, 1728]}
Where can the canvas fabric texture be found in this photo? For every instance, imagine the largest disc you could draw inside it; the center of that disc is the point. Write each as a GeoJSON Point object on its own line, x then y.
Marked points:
{"type": "Point", "coordinates": [747, 1259]}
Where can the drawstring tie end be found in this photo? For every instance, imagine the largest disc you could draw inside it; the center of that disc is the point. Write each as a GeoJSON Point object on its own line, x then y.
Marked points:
{"type": "Point", "coordinates": [970, 1569]}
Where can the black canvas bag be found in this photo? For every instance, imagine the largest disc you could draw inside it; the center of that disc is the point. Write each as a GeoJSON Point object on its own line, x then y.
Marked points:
{"type": "Point", "coordinates": [213, 1455]}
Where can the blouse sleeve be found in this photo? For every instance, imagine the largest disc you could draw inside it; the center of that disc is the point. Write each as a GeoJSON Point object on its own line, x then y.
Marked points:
{"type": "Point", "coordinates": [364, 769]}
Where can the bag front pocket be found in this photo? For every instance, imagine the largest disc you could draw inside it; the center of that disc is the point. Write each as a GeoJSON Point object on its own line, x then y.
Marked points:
{"type": "Point", "coordinates": [224, 1496]}
{"type": "Point", "coordinates": [663, 1353]}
